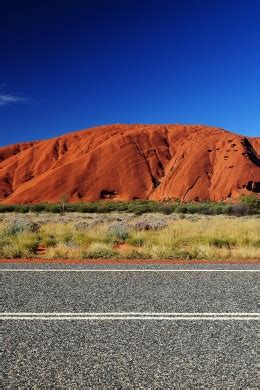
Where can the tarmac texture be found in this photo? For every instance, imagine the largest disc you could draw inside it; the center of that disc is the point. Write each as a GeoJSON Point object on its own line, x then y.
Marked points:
{"type": "Point", "coordinates": [137, 348]}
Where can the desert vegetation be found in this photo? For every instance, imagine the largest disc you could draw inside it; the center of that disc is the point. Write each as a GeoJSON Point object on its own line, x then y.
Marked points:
{"type": "Point", "coordinates": [248, 205]}
{"type": "Point", "coordinates": [128, 235]}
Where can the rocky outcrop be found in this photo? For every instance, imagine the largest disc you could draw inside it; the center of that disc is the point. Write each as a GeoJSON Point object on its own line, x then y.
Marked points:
{"type": "Point", "coordinates": [124, 162]}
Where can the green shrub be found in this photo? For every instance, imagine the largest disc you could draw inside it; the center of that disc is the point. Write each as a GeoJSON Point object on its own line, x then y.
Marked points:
{"type": "Point", "coordinates": [228, 209]}
{"type": "Point", "coordinates": [49, 241]}
{"type": "Point", "coordinates": [24, 209]}
{"type": "Point", "coordinates": [87, 208]}
{"type": "Point", "coordinates": [120, 233]}
{"type": "Point", "coordinates": [253, 202]}
{"type": "Point", "coordinates": [192, 209]}
{"type": "Point", "coordinates": [219, 210]}
{"type": "Point", "coordinates": [189, 254]}
{"type": "Point", "coordinates": [136, 241]}
{"type": "Point", "coordinates": [12, 251]}
{"type": "Point", "coordinates": [37, 208]}
{"type": "Point", "coordinates": [135, 255]}
{"type": "Point", "coordinates": [140, 207]}
{"type": "Point", "coordinates": [255, 243]}
{"type": "Point", "coordinates": [222, 242]}
{"type": "Point", "coordinates": [16, 227]}
{"type": "Point", "coordinates": [185, 254]}
{"type": "Point", "coordinates": [181, 209]}
{"type": "Point", "coordinates": [53, 208]}
{"type": "Point", "coordinates": [23, 245]}
{"type": "Point", "coordinates": [240, 209]}
{"type": "Point", "coordinates": [117, 234]}
{"type": "Point", "coordinates": [6, 208]}
{"type": "Point", "coordinates": [166, 208]}
{"type": "Point", "coordinates": [100, 251]}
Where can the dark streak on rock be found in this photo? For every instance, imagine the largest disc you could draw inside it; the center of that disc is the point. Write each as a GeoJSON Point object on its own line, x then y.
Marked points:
{"type": "Point", "coordinates": [250, 152]}
{"type": "Point", "coordinates": [190, 188]}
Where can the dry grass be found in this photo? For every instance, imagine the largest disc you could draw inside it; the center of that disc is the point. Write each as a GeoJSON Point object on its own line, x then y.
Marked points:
{"type": "Point", "coordinates": [156, 237]}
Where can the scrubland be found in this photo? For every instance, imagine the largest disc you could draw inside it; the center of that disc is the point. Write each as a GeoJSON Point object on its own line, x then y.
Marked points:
{"type": "Point", "coordinates": [121, 235]}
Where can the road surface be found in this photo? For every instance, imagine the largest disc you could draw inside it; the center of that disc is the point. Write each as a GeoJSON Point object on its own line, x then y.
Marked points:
{"type": "Point", "coordinates": [129, 327]}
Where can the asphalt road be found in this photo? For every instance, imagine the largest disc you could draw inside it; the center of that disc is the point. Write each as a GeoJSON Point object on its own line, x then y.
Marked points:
{"type": "Point", "coordinates": [121, 327]}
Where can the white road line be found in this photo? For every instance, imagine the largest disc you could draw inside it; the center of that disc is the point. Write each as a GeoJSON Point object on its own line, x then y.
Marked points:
{"type": "Point", "coordinates": [126, 313]}
{"type": "Point", "coordinates": [162, 317]}
{"type": "Point", "coordinates": [126, 270]}
{"type": "Point", "coordinates": [53, 316]}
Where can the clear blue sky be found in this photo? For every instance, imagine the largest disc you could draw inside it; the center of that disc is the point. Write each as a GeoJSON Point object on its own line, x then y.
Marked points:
{"type": "Point", "coordinates": [72, 64]}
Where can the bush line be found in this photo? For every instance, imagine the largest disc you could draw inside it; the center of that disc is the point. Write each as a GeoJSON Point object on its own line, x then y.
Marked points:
{"type": "Point", "coordinates": [247, 205]}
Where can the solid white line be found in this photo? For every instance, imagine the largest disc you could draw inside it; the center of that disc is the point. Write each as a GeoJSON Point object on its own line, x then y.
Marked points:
{"type": "Point", "coordinates": [60, 314]}
{"type": "Point", "coordinates": [130, 316]}
{"type": "Point", "coordinates": [172, 318]}
{"type": "Point", "coordinates": [126, 270]}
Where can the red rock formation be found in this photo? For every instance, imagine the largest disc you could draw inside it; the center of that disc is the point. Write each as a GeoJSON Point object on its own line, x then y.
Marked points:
{"type": "Point", "coordinates": [129, 162]}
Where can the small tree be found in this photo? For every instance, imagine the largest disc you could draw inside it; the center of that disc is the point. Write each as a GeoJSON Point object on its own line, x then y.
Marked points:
{"type": "Point", "coordinates": [63, 200]}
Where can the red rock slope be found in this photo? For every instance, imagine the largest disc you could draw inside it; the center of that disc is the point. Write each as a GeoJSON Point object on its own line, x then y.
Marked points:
{"type": "Point", "coordinates": [129, 162]}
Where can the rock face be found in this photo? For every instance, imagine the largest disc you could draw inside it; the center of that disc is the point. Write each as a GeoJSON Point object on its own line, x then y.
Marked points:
{"type": "Point", "coordinates": [125, 162]}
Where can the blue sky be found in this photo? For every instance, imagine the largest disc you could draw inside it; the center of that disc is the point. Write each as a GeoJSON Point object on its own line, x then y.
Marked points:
{"type": "Point", "coordinates": [72, 64]}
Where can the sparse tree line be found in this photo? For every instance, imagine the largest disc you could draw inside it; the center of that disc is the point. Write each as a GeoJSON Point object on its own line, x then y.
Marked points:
{"type": "Point", "coordinates": [247, 205]}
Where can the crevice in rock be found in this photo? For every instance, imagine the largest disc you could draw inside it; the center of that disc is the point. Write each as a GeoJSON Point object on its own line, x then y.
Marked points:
{"type": "Point", "coordinates": [28, 177]}
{"type": "Point", "coordinates": [250, 152]}
{"type": "Point", "coordinates": [153, 178]}
{"type": "Point", "coordinates": [160, 165]}
{"type": "Point", "coordinates": [156, 182]}
{"type": "Point", "coordinates": [56, 149]}
{"type": "Point", "coordinates": [161, 172]}
{"type": "Point", "coordinates": [89, 145]}
{"type": "Point", "coordinates": [166, 132]}
{"type": "Point", "coordinates": [190, 188]}
{"type": "Point", "coordinates": [253, 186]}
{"type": "Point", "coordinates": [64, 148]}
{"type": "Point", "coordinates": [108, 194]}
{"type": "Point", "coordinates": [9, 181]}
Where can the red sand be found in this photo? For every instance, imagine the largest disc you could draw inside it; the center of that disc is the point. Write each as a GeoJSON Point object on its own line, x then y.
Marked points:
{"type": "Point", "coordinates": [125, 162]}
{"type": "Point", "coordinates": [126, 261]}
